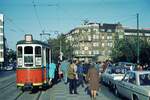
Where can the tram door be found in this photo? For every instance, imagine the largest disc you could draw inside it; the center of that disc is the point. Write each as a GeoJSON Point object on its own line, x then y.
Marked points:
{"type": "Point", "coordinates": [47, 63]}
{"type": "Point", "coordinates": [43, 63]}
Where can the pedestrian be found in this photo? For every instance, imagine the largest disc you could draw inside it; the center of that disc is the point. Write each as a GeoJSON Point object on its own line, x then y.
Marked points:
{"type": "Point", "coordinates": [72, 75]}
{"type": "Point", "coordinates": [64, 69]}
{"type": "Point", "coordinates": [80, 74]}
{"type": "Point", "coordinates": [60, 74]}
{"type": "Point", "coordinates": [139, 67]}
{"type": "Point", "coordinates": [52, 68]}
{"type": "Point", "coordinates": [93, 80]}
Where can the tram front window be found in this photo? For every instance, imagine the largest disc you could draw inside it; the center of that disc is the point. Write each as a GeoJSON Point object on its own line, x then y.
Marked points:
{"type": "Point", "coordinates": [28, 56]}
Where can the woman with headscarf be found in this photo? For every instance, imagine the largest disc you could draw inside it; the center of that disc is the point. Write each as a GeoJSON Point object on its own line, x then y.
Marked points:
{"type": "Point", "coordinates": [93, 79]}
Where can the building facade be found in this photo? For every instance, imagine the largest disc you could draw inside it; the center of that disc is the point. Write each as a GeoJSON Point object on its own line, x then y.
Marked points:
{"type": "Point", "coordinates": [1, 40]}
{"type": "Point", "coordinates": [95, 40]}
{"type": "Point", "coordinates": [144, 34]}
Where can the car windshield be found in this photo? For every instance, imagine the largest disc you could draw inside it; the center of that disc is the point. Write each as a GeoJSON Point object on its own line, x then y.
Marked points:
{"type": "Point", "coordinates": [144, 79]}
{"type": "Point", "coordinates": [120, 70]}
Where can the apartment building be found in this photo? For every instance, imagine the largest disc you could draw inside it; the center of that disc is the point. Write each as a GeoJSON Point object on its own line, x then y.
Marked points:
{"type": "Point", "coordinates": [1, 40]}
{"type": "Point", "coordinates": [94, 40]}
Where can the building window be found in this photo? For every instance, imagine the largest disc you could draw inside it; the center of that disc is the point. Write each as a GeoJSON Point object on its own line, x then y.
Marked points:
{"type": "Point", "coordinates": [95, 44]}
{"type": "Point", "coordinates": [95, 36]}
{"type": "Point", "coordinates": [103, 52]}
{"type": "Point", "coordinates": [86, 48]}
{"type": "Point", "coordinates": [1, 54]}
{"type": "Point", "coordinates": [89, 30]}
{"type": "Point", "coordinates": [83, 31]}
{"type": "Point", "coordinates": [95, 29]}
{"type": "Point", "coordinates": [1, 23]}
{"type": "Point", "coordinates": [103, 44]}
{"type": "Point", "coordinates": [1, 46]}
{"type": "Point", "coordinates": [1, 37]}
{"type": "Point", "coordinates": [109, 52]}
{"type": "Point", "coordinates": [120, 36]}
{"type": "Point", "coordinates": [90, 52]}
{"type": "Point", "coordinates": [82, 52]}
{"type": "Point", "coordinates": [76, 52]}
{"type": "Point", "coordinates": [103, 30]}
{"type": "Point", "coordinates": [103, 37]}
{"type": "Point", "coordinates": [109, 30]}
{"type": "Point", "coordinates": [89, 37]}
{"type": "Point", "coordinates": [110, 44]}
{"type": "Point", "coordinates": [1, 30]}
{"type": "Point", "coordinates": [109, 37]}
{"type": "Point", "coordinates": [95, 52]}
{"type": "Point", "coordinates": [77, 31]}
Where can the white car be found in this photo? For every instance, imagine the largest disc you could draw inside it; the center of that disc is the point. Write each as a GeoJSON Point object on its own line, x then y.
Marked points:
{"type": "Point", "coordinates": [112, 74]}
{"type": "Point", "coordinates": [135, 85]}
{"type": "Point", "coordinates": [9, 68]}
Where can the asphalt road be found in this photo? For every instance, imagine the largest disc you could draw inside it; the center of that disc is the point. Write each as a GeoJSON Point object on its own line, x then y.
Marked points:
{"type": "Point", "coordinates": [9, 91]}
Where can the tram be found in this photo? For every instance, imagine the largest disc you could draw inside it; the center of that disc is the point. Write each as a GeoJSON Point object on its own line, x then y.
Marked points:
{"type": "Point", "coordinates": [33, 58]}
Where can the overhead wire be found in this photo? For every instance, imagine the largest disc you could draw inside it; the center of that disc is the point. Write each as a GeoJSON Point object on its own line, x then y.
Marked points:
{"type": "Point", "coordinates": [36, 14]}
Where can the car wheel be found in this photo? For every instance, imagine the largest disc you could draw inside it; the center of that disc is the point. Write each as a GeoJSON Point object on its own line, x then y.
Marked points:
{"type": "Point", "coordinates": [135, 97]}
{"type": "Point", "coordinates": [102, 81]}
{"type": "Point", "coordinates": [116, 91]}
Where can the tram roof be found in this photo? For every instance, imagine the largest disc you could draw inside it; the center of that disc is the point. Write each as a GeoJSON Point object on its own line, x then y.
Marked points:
{"type": "Point", "coordinates": [32, 42]}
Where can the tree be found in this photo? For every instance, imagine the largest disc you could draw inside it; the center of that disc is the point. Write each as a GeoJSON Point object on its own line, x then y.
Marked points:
{"type": "Point", "coordinates": [56, 44]}
{"type": "Point", "coordinates": [126, 50]}
{"type": "Point", "coordinates": [10, 56]}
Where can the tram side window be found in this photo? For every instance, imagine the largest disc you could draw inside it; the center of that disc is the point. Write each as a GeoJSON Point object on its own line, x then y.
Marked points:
{"type": "Point", "coordinates": [38, 55]}
{"type": "Point", "coordinates": [19, 56]}
{"type": "Point", "coordinates": [38, 51]}
{"type": "Point", "coordinates": [19, 52]}
{"type": "Point", "coordinates": [47, 56]}
{"type": "Point", "coordinates": [28, 56]}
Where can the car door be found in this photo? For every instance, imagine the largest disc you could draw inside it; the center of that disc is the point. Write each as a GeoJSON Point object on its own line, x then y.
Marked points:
{"type": "Point", "coordinates": [120, 86]}
{"type": "Point", "coordinates": [128, 84]}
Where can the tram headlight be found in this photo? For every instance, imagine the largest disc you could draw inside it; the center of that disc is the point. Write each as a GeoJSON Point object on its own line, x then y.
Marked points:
{"type": "Point", "coordinates": [38, 60]}
{"type": "Point", "coordinates": [19, 61]}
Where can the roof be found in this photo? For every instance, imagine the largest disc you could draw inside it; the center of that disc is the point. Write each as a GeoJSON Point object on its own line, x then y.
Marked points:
{"type": "Point", "coordinates": [33, 42]}
{"type": "Point", "coordinates": [135, 31]}
{"type": "Point", "coordinates": [141, 72]}
{"type": "Point", "coordinates": [109, 26]}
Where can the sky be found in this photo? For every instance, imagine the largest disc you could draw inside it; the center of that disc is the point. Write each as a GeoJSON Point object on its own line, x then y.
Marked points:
{"type": "Point", "coordinates": [34, 16]}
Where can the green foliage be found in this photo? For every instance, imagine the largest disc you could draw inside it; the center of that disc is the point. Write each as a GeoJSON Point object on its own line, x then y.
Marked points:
{"type": "Point", "coordinates": [10, 55]}
{"type": "Point", "coordinates": [56, 44]}
{"type": "Point", "coordinates": [126, 50]}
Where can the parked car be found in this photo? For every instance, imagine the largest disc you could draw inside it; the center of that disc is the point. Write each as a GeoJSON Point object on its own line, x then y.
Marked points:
{"type": "Point", "coordinates": [126, 64]}
{"type": "Point", "coordinates": [135, 85]}
{"type": "Point", "coordinates": [10, 66]}
{"type": "Point", "coordinates": [111, 74]}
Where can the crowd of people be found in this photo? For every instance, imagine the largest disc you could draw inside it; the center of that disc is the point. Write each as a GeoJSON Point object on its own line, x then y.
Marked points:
{"type": "Point", "coordinates": [81, 74]}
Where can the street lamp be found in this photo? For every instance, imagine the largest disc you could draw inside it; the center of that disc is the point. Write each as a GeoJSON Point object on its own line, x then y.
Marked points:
{"type": "Point", "coordinates": [138, 49]}
{"type": "Point", "coordinates": [60, 46]}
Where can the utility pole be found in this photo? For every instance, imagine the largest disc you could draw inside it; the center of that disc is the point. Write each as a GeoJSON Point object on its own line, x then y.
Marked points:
{"type": "Point", "coordinates": [44, 33]}
{"type": "Point", "coordinates": [60, 46]}
{"type": "Point", "coordinates": [138, 49]}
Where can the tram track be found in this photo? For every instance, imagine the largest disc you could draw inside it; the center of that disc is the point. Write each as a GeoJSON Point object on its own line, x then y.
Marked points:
{"type": "Point", "coordinates": [19, 95]}
{"type": "Point", "coordinates": [9, 84]}
{"type": "Point", "coordinates": [23, 94]}
{"type": "Point", "coordinates": [39, 95]}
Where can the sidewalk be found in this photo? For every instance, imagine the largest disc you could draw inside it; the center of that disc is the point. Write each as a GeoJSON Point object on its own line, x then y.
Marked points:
{"type": "Point", "coordinates": [61, 92]}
